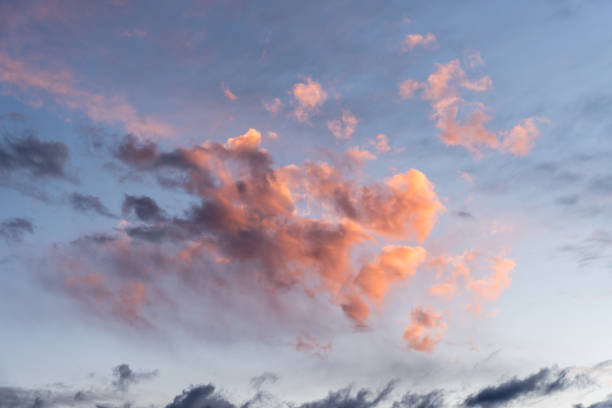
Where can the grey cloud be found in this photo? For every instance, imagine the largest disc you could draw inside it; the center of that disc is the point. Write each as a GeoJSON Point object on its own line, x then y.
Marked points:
{"type": "Point", "coordinates": [14, 229]}
{"type": "Point", "coordinates": [39, 158]}
{"type": "Point", "coordinates": [145, 208]}
{"type": "Point", "coordinates": [433, 399]}
{"type": "Point", "coordinates": [266, 377]}
{"type": "Point", "coordinates": [125, 376]}
{"type": "Point", "coordinates": [543, 383]}
{"type": "Point", "coordinates": [88, 203]}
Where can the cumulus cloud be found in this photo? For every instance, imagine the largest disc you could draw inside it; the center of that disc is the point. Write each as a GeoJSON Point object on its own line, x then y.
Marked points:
{"type": "Point", "coordinates": [297, 228]}
{"type": "Point", "coordinates": [308, 96]}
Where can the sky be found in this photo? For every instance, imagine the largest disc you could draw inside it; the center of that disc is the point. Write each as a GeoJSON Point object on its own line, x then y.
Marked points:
{"type": "Point", "coordinates": [347, 204]}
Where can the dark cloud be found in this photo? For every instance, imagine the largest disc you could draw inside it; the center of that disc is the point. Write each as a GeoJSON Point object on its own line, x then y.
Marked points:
{"type": "Point", "coordinates": [202, 396]}
{"type": "Point", "coordinates": [145, 208]}
{"type": "Point", "coordinates": [14, 229]}
{"type": "Point", "coordinates": [601, 404]}
{"type": "Point", "coordinates": [88, 204]}
{"type": "Point", "coordinates": [125, 376]}
{"type": "Point", "coordinates": [433, 399]}
{"type": "Point", "coordinates": [42, 159]}
{"type": "Point", "coordinates": [266, 377]}
{"type": "Point", "coordinates": [464, 214]}
{"type": "Point", "coordinates": [97, 238]}
{"type": "Point", "coordinates": [543, 383]}
{"type": "Point", "coordinates": [344, 398]}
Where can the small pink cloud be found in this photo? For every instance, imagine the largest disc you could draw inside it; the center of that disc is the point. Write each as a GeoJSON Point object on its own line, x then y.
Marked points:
{"type": "Point", "coordinates": [308, 96]}
{"type": "Point", "coordinates": [344, 127]}
{"type": "Point", "coordinates": [419, 40]}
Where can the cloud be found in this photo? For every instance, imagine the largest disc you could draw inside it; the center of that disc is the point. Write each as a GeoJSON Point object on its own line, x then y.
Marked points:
{"type": "Point", "coordinates": [274, 106]}
{"type": "Point", "coordinates": [267, 377]}
{"type": "Point", "coordinates": [125, 376]}
{"type": "Point", "coordinates": [344, 127]}
{"type": "Point", "coordinates": [307, 343]}
{"type": "Point", "coordinates": [408, 88]}
{"type": "Point", "coordinates": [473, 59]}
{"type": "Point", "coordinates": [145, 208]}
{"type": "Point", "coordinates": [463, 123]}
{"type": "Point", "coordinates": [381, 144]}
{"type": "Point", "coordinates": [308, 96]}
{"type": "Point", "coordinates": [433, 399]}
{"type": "Point", "coordinates": [39, 158]}
{"type": "Point", "coordinates": [307, 229]}
{"type": "Point", "coordinates": [228, 94]}
{"type": "Point", "coordinates": [413, 41]}
{"type": "Point", "coordinates": [62, 88]}
{"type": "Point", "coordinates": [356, 157]}
{"type": "Point", "coordinates": [394, 263]}
{"type": "Point", "coordinates": [543, 383]}
{"type": "Point", "coordinates": [88, 203]}
{"type": "Point", "coordinates": [344, 398]}
{"type": "Point", "coordinates": [200, 396]}
{"type": "Point", "coordinates": [601, 404]}
{"type": "Point", "coordinates": [14, 229]}
{"type": "Point", "coordinates": [424, 331]}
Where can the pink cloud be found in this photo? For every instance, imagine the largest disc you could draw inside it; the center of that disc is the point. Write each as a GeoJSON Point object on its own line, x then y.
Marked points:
{"type": "Point", "coordinates": [62, 88]}
{"type": "Point", "coordinates": [273, 106]}
{"type": "Point", "coordinates": [463, 123]}
{"type": "Point", "coordinates": [308, 96]}
{"type": "Point", "coordinates": [228, 93]}
{"type": "Point", "coordinates": [344, 127]}
{"type": "Point", "coordinates": [425, 330]}
{"type": "Point", "coordinates": [419, 40]}
{"type": "Point", "coordinates": [381, 143]}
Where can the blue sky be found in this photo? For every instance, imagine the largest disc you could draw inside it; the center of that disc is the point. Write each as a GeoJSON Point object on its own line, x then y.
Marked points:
{"type": "Point", "coordinates": [337, 194]}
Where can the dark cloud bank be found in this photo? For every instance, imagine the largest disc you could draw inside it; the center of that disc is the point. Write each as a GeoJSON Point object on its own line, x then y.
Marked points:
{"type": "Point", "coordinates": [513, 392]}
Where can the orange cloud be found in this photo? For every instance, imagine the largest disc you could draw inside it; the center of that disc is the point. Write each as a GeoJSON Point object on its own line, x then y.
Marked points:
{"type": "Point", "coordinates": [356, 156]}
{"type": "Point", "coordinates": [394, 263]}
{"type": "Point", "coordinates": [344, 127]}
{"type": "Point", "coordinates": [419, 40]}
{"type": "Point", "coordinates": [297, 228]}
{"type": "Point", "coordinates": [425, 330]}
{"type": "Point", "coordinates": [62, 88]}
{"type": "Point", "coordinates": [404, 206]}
{"type": "Point", "coordinates": [308, 96]}
{"type": "Point", "coordinates": [491, 288]}
{"type": "Point", "coordinates": [463, 123]}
